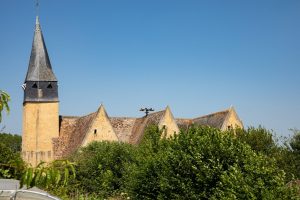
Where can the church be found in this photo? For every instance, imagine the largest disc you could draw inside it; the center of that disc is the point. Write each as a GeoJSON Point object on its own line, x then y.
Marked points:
{"type": "Point", "coordinates": [47, 136]}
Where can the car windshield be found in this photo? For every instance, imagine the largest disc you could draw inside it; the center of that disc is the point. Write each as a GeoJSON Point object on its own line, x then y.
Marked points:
{"type": "Point", "coordinates": [24, 195]}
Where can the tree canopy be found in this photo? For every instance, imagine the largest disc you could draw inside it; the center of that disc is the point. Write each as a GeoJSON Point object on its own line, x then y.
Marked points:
{"type": "Point", "coordinates": [204, 163]}
{"type": "Point", "coordinates": [4, 99]}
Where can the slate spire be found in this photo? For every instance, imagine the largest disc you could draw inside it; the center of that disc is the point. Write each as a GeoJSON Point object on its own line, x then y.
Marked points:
{"type": "Point", "coordinates": [40, 82]}
{"type": "Point", "coordinates": [39, 68]}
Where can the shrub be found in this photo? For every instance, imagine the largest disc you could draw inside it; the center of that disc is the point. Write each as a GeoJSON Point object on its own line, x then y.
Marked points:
{"type": "Point", "coordinates": [286, 155]}
{"type": "Point", "coordinates": [48, 175]}
{"type": "Point", "coordinates": [100, 168]}
{"type": "Point", "coordinates": [11, 163]}
{"type": "Point", "coordinates": [204, 163]}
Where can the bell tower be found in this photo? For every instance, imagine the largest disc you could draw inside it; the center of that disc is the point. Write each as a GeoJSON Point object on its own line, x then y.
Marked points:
{"type": "Point", "coordinates": [40, 104]}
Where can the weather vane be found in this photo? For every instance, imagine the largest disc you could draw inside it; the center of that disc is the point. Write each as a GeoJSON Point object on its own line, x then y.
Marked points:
{"type": "Point", "coordinates": [37, 7]}
{"type": "Point", "coordinates": [147, 110]}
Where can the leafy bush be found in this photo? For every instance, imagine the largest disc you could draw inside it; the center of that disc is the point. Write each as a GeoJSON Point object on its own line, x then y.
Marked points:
{"type": "Point", "coordinates": [295, 141]}
{"type": "Point", "coordinates": [100, 168]}
{"type": "Point", "coordinates": [48, 175]}
{"type": "Point", "coordinates": [11, 163]}
{"type": "Point", "coordinates": [201, 163]}
{"type": "Point", "coordinates": [4, 99]}
{"type": "Point", "coordinates": [286, 155]}
{"type": "Point", "coordinates": [13, 142]}
{"type": "Point", "coordinates": [290, 160]}
{"type": "Point", "coordinates": [260, 139]}
{"type": "Point", "coordinates": [204, 163]}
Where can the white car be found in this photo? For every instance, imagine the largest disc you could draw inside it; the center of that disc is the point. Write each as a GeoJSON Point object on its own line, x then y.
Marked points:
{"type": "Point", "coordinates": [9, 190]}
{"type": "Point", "coordinates": [25, 195]}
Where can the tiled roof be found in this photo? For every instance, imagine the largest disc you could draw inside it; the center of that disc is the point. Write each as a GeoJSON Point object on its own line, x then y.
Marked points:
{"type": "Point", "coordinates": [215, 120]}
{"type": "Point", "coordinates": [142, 123]}
{"type": "Point", "coordinates": [184, 123]}
{"type": "Point", "coordinates": [123, 127]}
{"type": "Point", "coordinates": [74, 129]}
{"type": "Point", "coordinates": [128, 130]}
{"type": "Point", "coordinates": [72, 133]}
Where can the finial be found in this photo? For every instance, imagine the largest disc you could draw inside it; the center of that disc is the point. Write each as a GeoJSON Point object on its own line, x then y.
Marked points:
{"type": "Point", "coordinates": [37, 20]}
{"type": "Point", "coordinates": [37, 7]}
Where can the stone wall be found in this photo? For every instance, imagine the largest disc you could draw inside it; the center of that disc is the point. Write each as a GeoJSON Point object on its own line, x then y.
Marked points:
{"type": "Point", "coordinates": [40, 125]}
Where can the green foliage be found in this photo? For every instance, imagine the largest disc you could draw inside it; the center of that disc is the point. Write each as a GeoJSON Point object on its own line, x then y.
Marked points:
{"type": "Point", "coordinates": [204, 163]}
{"type": "Point", "coordinates": [264, 141]}
{"type": "Point", "coordinates": [100, 168]}
{"type": "Point", "coordinates": [201, 163]}
{"type": "Point", "coordinates": [295, 141]}
{"type": "Point", "coordinates": [6, 154]}
{"type": "Point", "coordinates": [4, 99]}
{"type": "Point", "coordinates": [13, 142]}
{"type": "Point", "coordinates": [11, 163]}
{"type": "Point", "coordinates": [259, 139]}
{"type": "Point", "coordinates": [49, 176]}
{"type": "Point", "coordinates": [290, 156]}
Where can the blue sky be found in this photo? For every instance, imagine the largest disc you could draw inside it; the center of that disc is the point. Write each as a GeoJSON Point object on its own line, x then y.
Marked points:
{"type": "Point", "coordinates": [197, 57]}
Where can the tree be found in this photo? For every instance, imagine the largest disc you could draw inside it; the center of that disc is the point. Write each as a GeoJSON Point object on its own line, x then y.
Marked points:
{"type": "Point", "coordinates": [264, 141]}
{"type": "Point", "coordinates": [205, 163]}
{"type": "Point", "coordinates": [4, 99]}
{"type": "Point", "coordinates": [260, 139]}
{"type": "Point", "coordinates": [100, 168]}
{"type": "Point", "coordinates": [13, 142]}
{"type": "Point", "coordinates": [295, 141]}
{"type": "Point", "coordinates": [291, 158]}
{"type": "Point", "coordinates": [11, 163]}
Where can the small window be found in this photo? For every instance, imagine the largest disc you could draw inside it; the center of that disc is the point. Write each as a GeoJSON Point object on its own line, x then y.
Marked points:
{"type": "Point", "coordinates": [95, 131]}
{"type": "Point", "coordinates": [34, 85]}
{"type": "Point", "coordinates": [49, 86]}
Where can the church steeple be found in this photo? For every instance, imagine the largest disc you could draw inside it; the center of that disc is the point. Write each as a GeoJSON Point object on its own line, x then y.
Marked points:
{"type": "Point", "coordinates": [40, 81]}
{"type": "Point", "coordinates": [40, 105]}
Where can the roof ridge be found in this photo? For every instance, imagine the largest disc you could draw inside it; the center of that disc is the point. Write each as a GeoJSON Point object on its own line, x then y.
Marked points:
{"type": "Point", "coordinates": [184, 118]}
{"type": "Point", "coordinates": [123, 117]}
{"type": "Point", "coordinates": [70, 116]}
{"type": "Point", "coordinates": [214, 113]}
{"type": "Point", "coordinates": [157, 112]}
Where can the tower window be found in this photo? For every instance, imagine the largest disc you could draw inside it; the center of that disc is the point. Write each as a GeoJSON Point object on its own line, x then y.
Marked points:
{"type": "Point", "coordinates": [34, 85]}
{"type": "Point", "coordinates": [95, 132]}
{"type": "Point", "coordinates": [49, 86]}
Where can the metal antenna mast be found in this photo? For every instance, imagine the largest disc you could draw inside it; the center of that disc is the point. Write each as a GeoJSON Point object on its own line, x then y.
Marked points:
{"type": "Point", "coordinates": [146, 110]}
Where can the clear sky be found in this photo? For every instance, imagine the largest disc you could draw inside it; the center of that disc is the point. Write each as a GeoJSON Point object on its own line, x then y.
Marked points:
{"type": "Point", "coordinates": [196, 56]}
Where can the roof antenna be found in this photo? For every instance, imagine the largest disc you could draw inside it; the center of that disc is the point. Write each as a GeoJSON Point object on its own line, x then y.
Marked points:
{"type": "Point", "coordinates": [146, 110]}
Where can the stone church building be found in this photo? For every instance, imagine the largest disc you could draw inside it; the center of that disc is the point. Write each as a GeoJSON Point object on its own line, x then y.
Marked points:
{"type": "Point", "coordinates": [47, 136]}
